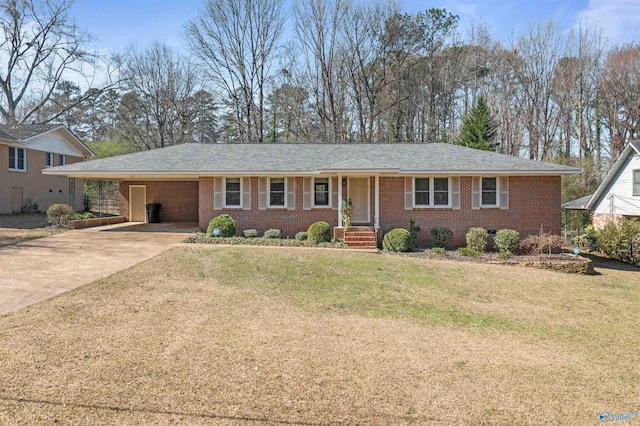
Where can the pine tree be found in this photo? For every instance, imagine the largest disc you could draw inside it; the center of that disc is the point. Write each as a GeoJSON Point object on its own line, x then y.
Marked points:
{"type": "Point", "coordinates": [478, 128]}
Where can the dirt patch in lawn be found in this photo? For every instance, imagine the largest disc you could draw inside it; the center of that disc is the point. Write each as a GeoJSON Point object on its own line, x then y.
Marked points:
{"type": "Point", "coordinates": [245, 335]}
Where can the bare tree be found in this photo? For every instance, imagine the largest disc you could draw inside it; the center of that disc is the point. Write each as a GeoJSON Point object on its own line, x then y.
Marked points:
{"type": "Point", "coordinates": [236, 42]}
{"type": "Point", "coordinates": [164, 103]}
{"type": "Point", "coordinates": [40, 49]}
{"type": "Point", "coordinates": [620, 96]}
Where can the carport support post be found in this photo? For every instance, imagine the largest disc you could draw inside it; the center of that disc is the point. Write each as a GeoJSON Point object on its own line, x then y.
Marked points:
{"type": "Point", "coordinates": [339, 201]}
{"type": "Point", "coordinates": [72, 195]}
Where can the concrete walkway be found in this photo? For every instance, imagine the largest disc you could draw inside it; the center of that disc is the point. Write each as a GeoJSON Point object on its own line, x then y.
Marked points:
{"type": "Point", "coordinates": [42, 268]}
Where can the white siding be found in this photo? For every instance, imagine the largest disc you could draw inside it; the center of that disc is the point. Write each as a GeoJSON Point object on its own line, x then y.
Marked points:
{"type": "Point", "coordinates": [53, 142]}
{"type": "Point", "coordinates": [621, 187]}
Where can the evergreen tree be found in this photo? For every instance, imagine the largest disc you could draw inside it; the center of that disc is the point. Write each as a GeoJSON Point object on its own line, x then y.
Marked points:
{"type": "Point", "coordinates": [478, 128]}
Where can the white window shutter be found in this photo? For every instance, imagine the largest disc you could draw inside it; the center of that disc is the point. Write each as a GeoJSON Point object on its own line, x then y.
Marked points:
{"type": "Point", "coordinates": [455, 193]}
{"type": "Point", "coordinates": [334, 193]}
{"type": "Point", "coordinates": [475, 193]}
{"type": "Point", "coordinates": [408, 193]}
{"type": "Point", "coordinates": [291, 193]}
{"type": "Point", "coordinates": [246, 193]}
{"type": "Point", "coordinates": [217, 193]}
{"type": "Point", "coordinates": [504, 192]}
{"type": "Point", "coordinates": [262, 193]}
{"type": "Point", "coordinates": [306, 193]}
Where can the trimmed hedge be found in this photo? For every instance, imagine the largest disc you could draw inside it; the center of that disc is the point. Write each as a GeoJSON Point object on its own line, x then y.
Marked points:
{"type": "Point", "coordinates": [272, 233]}
{"type": "Point", "coordinates": [225, 224]}
{"type": "Point", "coordinates": [250, 233]}
{"type": "Point", "coordinates": [441, 236]}
{"type": "Point", "coordinates": [507, 240]}
{"type": "Point", "coordinates": [477, 239]}
{"type": "Point", "coordinates": [319, 232]}
{"type": "Point", "coordinates": [302, 236]}
{"type": "Point", "coordinates": [398, 239]}
{"type": "Point", "coordinates": [201, 238]}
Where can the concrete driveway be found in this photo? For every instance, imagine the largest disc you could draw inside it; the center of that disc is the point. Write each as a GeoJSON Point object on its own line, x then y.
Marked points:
{"type": "Point", "coordinates": [41, 268]}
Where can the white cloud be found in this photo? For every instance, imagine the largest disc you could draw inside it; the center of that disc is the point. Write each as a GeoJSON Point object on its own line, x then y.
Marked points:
{"type": "Point", "coordinates": [618, 19]}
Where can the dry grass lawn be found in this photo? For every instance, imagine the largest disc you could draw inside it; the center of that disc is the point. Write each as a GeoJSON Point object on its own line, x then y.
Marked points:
{"type": "Point", "coordinates": [249, 335]}
{"type": "Point", "coordinates": [19, 228]}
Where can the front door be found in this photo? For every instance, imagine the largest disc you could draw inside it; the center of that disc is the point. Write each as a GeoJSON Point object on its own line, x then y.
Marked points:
{"type": "Point", "coordinates": [359, 195]}
{"type": "Point", "coordinates": [137, 203]}
{"type": "Point", "coordinates": [16, 200]}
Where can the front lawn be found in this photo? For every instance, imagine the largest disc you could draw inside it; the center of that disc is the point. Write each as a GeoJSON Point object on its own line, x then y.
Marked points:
{"type": "Point", "coordinates": [251, 335]}
{"type": "Point", "coordinates": [19, 228]}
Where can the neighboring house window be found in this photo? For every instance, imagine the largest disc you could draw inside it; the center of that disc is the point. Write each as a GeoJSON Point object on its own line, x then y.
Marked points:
{"type": "Point", "coordinates": [431, 192]}
{"type": "Point", "coordinates": [233, 192]}
{"type": "Point", "coordinates": [636, 182]}
{"type": "Point", "coordinates": [489, 192]}
{"type": "Point", "coordinates": [62, 160]}
{"type": "Point", "coordinates": [49, 159]}
{"type": "Point", "coordinates": [321, 192]}
{"type": "Point", "coordinates": [277, 192]}
{"type": "Point", "coordinates": [17, 159]}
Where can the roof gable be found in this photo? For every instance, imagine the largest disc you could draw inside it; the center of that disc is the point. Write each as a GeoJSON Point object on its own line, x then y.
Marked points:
{"type": "Point", "coordinates": [633, 148]}
{"type": "Point", "coordinates": [45, 137]}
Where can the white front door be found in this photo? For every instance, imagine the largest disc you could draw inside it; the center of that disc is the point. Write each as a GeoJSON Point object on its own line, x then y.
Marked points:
{"type": "Point", "coordinates": [137, 203]}
{"type": "Point", "coordinates": [359, 195]}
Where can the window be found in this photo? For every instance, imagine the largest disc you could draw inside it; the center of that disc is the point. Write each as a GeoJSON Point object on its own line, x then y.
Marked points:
{"type": "Point", "coordinates": [490, 191]}
{"type": "Point", "coordinates": [48, 159]}
{"type": "Point", "coordinates": [636, 182]}
{"type": "Point", "coordinates": [431, 192]}
{"type": "Point", "coordinates": [17, 159]}
{"type": "Point", "coordinates": [422, 192]}
{"type": "Point", "coordinates": [277, 192]}
{"type": "Point", "coordinates": [233, 192]}
{"type": "Point", "coordinates": [62, 160]}
{"type": "Point", "coordinates": [321, 192]}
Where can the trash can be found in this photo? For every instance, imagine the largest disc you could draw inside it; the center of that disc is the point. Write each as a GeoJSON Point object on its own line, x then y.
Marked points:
{"type": "Point", "coordinates": [153, 212]}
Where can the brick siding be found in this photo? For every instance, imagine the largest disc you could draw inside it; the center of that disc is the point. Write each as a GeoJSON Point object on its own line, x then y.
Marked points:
{"type": "Point", "coordinates": [288, 221]}
{"type": "Point", "coordinates": [533, 202]}
{"type": "Point", "coordinates": [179, 199]}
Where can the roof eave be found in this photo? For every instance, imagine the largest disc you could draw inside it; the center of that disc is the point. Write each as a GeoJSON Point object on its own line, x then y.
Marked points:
{"type": "Point", "coordinates": [609, 177]}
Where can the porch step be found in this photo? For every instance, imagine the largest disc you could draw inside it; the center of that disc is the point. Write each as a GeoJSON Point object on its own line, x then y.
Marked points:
{"type": "Point", "coordinates": [360, 237]}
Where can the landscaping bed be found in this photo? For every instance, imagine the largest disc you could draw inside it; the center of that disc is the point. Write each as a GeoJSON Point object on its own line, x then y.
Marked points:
{"type": "Point", "coordinates": [560, 262]}
{"type": "Point", "coordinates": [202, 238]}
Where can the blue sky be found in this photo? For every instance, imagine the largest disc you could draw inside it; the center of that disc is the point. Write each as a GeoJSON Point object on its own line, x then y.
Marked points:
{"type": "Point", "coordinates": [119, 23]}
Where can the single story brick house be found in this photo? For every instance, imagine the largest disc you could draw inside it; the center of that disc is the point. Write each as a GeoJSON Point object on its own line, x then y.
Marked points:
{"type": "Point", "coordinates": [618, 196]}
{"type": "Point", "coordinates": [290, 186]}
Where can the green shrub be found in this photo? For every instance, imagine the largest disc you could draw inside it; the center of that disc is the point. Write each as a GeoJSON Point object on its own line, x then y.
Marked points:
{"type": "Point", "coordinates": [507, 240]}
{"type": "Point", "coordinates": [466, 251]}
{"type": "Point", "coordinates": [302, 236]}
{"type": "Point", "coordinates": [477, 239]}
{"type": "Point", "coordinates": [201, 238]}
{"type": "Point", "coordinates": [58, 214]}
{"type": "Point", "coordinates": [543, 243]}
{"type": "Point", "coordinates": [504, 255]}
{"type": "Point", "coordinates": [225, 224]}
{"type": "Point", "coordinates": [398, 240]}
{"type": "Point", "coordinates": [272, 233]}
{"type": "Point", "coordinates": [620, 240]}
{"type": "Point", "coordinates": [319, 232]}
{"type": "Point", "coordinates": [441, 236]}
{"type": "Point", "coordinates": [250, 233]}
{"type": "Point", "coordinates": [439, 250]}
{"type": "Point", "coordinates": [82, 216]}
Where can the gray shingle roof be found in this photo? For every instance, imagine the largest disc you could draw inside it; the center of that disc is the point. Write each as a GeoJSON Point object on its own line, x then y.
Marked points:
{"type": "Point", "coordinates": [578, 204]}
{"type": "Point", "coordinates": [209, 159]}
{"type": "Point", "coordinates": [20, 132]}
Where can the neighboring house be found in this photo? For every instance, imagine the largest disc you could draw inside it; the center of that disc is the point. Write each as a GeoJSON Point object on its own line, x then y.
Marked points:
{"type": "Point", "coordinates": [290, 186]}
{"type": "Point", "coordinates": [618, 195]}
{"type": "Point", "coordinates": [26, 149]}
